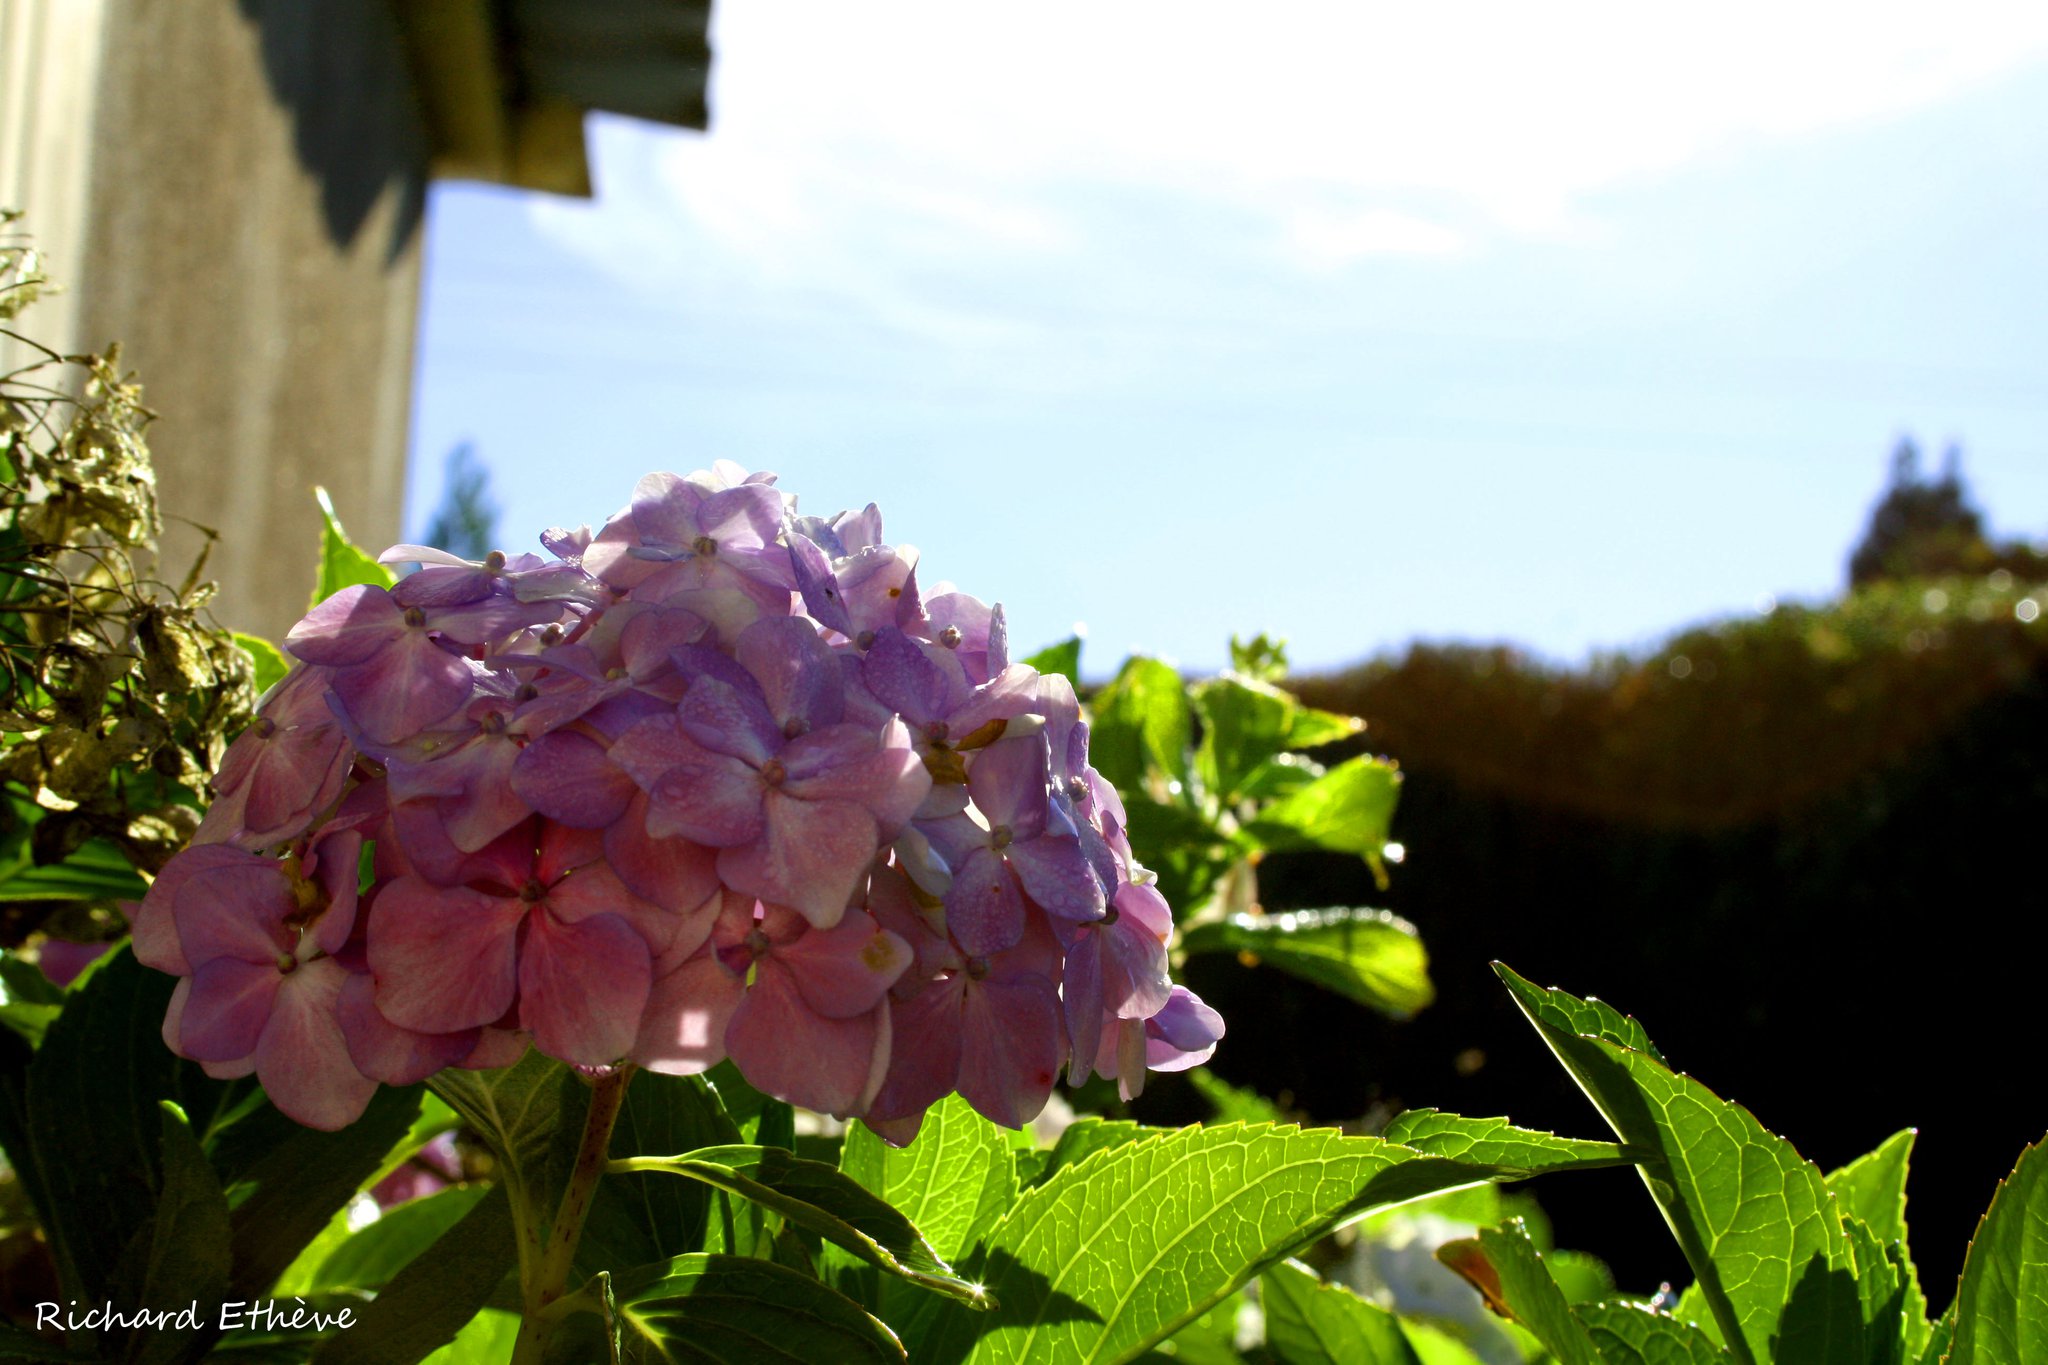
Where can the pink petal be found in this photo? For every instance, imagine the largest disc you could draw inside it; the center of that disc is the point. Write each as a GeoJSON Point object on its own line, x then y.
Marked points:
{"type": "Point", "coordinates": [847, 969]}
{"type": "Point", "coordinates": [226, 1008]}
{"type": "Point", "coordinates": [385, 1052]}
{"type": "Point", "coordinates": [582, 987]}
{"type": "Point", "coordinates": [303, 1059]}
{"type": "Point", "coordinates": [156, 928]}
{"type": "Point", "coordinates": [408, 686]}
{"type": "Point", "coordinates": [236, 910]}
{"type": "Point", "coordinates": [811, 857]}
{"type": "Point", "coordinates": [671, 872]}
{"type": "Point", "coordinates": [1010, 1049]}
{"type": "Point", "coordinates": [924, 1055]}
{"type": "Point", "coordinates": [985, 908]}
{"type": "Point", "coordinates": [716, 801]}
{"type": "Point", "coordinates": [683, 1029]}
{"type": "Point", "coordinates": [444, 957]}
{"type": "Point", "coordinates": [785, 1050]}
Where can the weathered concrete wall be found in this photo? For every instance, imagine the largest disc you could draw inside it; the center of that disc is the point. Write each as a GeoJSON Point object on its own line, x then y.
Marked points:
{"type": "Point", "coordinates": [253, 239]}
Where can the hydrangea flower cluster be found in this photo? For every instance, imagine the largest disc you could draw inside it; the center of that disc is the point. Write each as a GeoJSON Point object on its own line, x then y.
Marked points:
{"type": "Point", "coordinates": [720, 781]}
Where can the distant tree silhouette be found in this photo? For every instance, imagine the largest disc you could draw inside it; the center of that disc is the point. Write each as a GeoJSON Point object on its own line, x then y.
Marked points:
{"type": "Point", "coordinates": [1922, 527]}
{"type": "Point", "coordinates": [466, 522]}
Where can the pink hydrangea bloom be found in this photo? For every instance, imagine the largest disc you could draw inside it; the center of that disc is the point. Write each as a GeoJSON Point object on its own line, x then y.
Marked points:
{"type": "Point", "coordinates": [715, 781]}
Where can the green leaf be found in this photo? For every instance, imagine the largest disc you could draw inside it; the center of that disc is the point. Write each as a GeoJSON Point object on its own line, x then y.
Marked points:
{"type": "Point", "coordinates": [95, 871]}
{"type": "Point", "coordinates": [426, 1304]}
{"type": "Point", "coordinates": [1872, 1188]}
{"type": "Point", "coordinates": [1630, 1334]}
{"type": "Point", "coordinates": [1141, 723]}
{"type": "Point", "coordinates": [485, 1339]}
{"type": "Point", "coordinates": [1210, 1339]}
{"type": "Point", "coordinates": [1370, 956]}
{"type": "Point", "coordinates": [188, 1245]}
{"type": "Point", "coordinates": [285, 1198]}
{"type": "Point", "coordinates": [813, 1195]}
{"type": "Point", "coordinates": [640, 1219]}
{"type": "Point", "coordinates": [1755, 1221]}
{"type": "Point", "coordinates": [1089, 1134]}
{"type": "Point", "coordinates": [952, 1182]}
{"type": "Point", "coordinates": [1244, 724]}
{"type": "Point", "coordinates": [1507, 1270]}
{"type": "Point", "coordinates": [1112, 1255]}
{"type": "Point", "coordinates": [1063, 658]}
{"type": "Point", "coordinates": [2001, 1308]}
{"type": "Point", "coordinates": [1588, 1018]}
{"type": "Point", "coordinates": [379, 1251]}
{"type": "Point", "coordinates": [342, 564]}
{"type": "Point", "coordinates": [1880, 1295]}
{"type": "Point", "coordinates": [1497, 1142]}
{"type": "Point", "coordinates": [29, 1003]}
{"type": "Point", "coordinates": [1233, 1103]}
{"type": "Point", "coordinates": [1346, 810]}
{"type": "Point", "coordinates": [728, 1310]}
{"type": "Point", "coordinates": [271, 666]}
{"type": "Point", "coordinates": [92, 1136]}
{"type": "Point", "coordinates": [530, 1115]}
{"type": "Point", "coordinates": [1313, 728]}
{"type": "Point", "coordinates": [1312, 1323]}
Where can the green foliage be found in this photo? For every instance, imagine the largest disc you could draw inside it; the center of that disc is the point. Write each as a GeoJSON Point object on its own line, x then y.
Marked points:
{"type": "Point", "coordinates": [2001, 1312]}
{"type": "Point", "coordinates": [1496, 1142]}
{"type": "Point", "coordinates": [820, 1199]}
{"type": "Point", "coordinates": [730, 1310]}
{"type": "Point", "coordinates": [1214, 778]}
{"type": "Point", "coordinates": [1369, 956]}
{"type": "Point", "coordinates": [1309, 1322]}
{"type": "Point", "coordinates": [342, 563]}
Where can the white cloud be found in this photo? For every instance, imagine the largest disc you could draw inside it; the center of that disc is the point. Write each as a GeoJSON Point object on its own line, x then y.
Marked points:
{"type": "Point", "coordinates": [854, 145]}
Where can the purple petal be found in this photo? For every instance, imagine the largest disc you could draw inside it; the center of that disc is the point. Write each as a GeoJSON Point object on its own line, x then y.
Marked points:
{"type": "Point", "coordinates": [1056, 874]}
{"type": "Point", "coordinates": [568, 777]}
{"type": "Point", "coordinates": [1010, 1049]}
{"type": "Point", "coordinates": [347, 628]}
{"type": "Point", "coordinates": [784, 1049]}
{"type": "Point", "coordinates": [798, 673]}
{"type": "Point", "coordinates": [985, 908]}
{"type": "Point", "coordinates": [813, 572]}
{"type": "Point", "coordinates": [444, 957]}
{"type": "Point", "coordinates": [716, 801]}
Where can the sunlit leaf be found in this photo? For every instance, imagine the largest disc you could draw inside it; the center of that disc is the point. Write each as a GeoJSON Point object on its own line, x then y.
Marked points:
{"type": "Point", "coordinates": [1370, 956]}
{"type": "Point", "coordinates": [1114, 1254]}
{"type": "Point", "coordinates": [1346, 810]}
{"type": "Point", "coordinates": [1499, 1143]}
{"type": "Point", "coordinates": [1507, 1270]}
{"type": "Point", "coordinates": [1630, 1334]}
{"type": "Point", "coordinates": [1312, 1323]}
{"type": "Point", "coordinates": [2001, 1308]}
{"type": "Point", "coordinates": [342, 563]}
{"type": "Point", "coordinates": [1755, 1221]}
{"type": "Point", "coordinates": [270, 664]}
{"type": "Point", "coordinates": [1063, 658]}
{"type": "Point", "coordinates": [1141, 722]}
{"type": "Point", "coordinates": [822, 1199]}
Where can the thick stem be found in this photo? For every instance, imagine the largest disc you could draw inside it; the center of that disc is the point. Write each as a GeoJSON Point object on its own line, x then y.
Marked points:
{"type": "Point", "coordinates": [548, 1279]}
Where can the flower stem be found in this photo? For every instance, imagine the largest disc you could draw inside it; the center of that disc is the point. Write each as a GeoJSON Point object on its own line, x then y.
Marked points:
{"type": "Point", "coordinates": [547, 1280]}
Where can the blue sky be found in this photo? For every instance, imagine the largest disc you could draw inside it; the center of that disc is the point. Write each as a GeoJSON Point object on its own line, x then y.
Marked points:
{"type": "Point", "coordinates": [1566, 328]}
